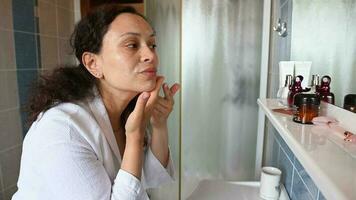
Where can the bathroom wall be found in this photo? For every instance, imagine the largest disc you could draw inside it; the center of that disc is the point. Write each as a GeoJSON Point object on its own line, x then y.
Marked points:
{"type": "Point", "coordinates": [280, 47]}
{"type": "Point", "coordinates": [33, 38]}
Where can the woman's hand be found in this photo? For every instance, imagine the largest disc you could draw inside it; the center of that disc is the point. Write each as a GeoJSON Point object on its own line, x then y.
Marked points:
{"type": "Point", "coordinates": [135, 133]}
{"type": "Point", "coordinates": [158, 108]}
{"type": "Point", "coordinates": [157, 111]}
{"type": "Point", "coordinates": [163, 106]}
{"type": "Point", "coordinates": [136, 122]}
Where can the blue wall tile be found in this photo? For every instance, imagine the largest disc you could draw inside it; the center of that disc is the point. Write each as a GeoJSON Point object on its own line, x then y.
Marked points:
{"type": "Point", "coordinates": [300, 191]}
{"type": "Point", "coordinates": [321, 196]}
{"type": "Point", "coordinates": [287, 170]}
{"type": "Point", "coordinates": [306, 178]}
{"type": "Point", "coordinates": [23, 15]}
{"type": "Point", "coordinates": [296, 180]}
{"type": "Point", "coordinates": [25, 79]}
{"type": "Point", "coordinates": [25, 47]}
{"type": "Point", "coordinates": [275, 153]}
{"type": "Point", "coordinates": [285, 146]}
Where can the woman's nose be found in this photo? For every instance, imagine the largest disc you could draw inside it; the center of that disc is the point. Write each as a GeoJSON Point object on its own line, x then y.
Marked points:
{"type": "Point", "coordinates": [148, 54]}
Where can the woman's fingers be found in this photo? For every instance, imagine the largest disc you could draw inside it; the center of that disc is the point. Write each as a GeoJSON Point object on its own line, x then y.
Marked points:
{"type": "Point", "coordinates": [136, 118]}
{"type": "Point", "coordinates": [165, 103]}
{"type": "Point", "coordinates": [167, 92]}
{"type": "Point", "coordinates": [170, 92]}
{"type": "Point", "coordinates": [162, 109]}
{"type": "Point", "coordinates": [174, 89]}
{"type": "Point", "coordinates": [140, 105]}
{"type": "Point", "coordinates": [159, 112]}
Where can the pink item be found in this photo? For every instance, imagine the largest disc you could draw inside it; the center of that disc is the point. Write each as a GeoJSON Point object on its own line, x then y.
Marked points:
{"type": "Point", "coordinates": [332, 123]}
{"type": "Point", "coordinates": [322, 120]}
{"type": "Point", "coordinates": [349, 137]}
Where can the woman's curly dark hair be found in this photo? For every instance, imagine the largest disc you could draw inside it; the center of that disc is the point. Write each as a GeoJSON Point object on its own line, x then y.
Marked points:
{"type": "Point", "coordinates": [75, 83]}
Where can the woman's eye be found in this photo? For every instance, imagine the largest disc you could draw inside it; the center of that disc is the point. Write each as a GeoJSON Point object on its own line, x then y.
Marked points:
{"type": "Point", "coordinates": [153, 46]}
{"type": "Point", "coordinates": [132, 45]}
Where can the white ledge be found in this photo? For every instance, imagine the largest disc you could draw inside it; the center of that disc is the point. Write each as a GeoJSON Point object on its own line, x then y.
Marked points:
{"type": "Point", "coordinates": [329, 161]}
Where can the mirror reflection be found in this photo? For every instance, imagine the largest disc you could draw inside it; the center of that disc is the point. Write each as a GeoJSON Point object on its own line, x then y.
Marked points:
{"type": "Point", "coordinates": [323, 32]}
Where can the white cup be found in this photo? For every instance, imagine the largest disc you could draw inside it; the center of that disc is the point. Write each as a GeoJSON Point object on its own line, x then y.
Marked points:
{"type": "Point", "coordinates": [270, 183]}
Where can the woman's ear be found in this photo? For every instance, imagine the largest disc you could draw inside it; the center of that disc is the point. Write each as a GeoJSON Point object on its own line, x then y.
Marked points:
{"type": "Point", "coordinates": [91, 63]}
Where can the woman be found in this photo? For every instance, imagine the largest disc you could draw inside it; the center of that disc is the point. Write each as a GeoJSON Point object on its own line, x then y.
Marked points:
{"type": "Point", "coordinates": [88, 137]}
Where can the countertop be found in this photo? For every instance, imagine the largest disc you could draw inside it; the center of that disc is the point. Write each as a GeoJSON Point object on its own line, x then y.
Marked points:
{"type": "Point", "coordinates": [330, 161]}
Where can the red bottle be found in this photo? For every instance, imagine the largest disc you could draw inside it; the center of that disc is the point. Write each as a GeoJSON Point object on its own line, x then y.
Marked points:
{"type": "Point", "coordinates": [295, 88]}
{"type": "Point", "coordinates": [324, 90]}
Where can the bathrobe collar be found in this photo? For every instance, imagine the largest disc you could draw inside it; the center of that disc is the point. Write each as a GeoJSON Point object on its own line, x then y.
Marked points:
{"type": "Point", "coordinates": [98, 109]}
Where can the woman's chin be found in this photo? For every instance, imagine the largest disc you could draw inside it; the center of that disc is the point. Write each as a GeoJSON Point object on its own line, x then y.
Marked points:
{"type": "Point", "coordinates": [148, 87]}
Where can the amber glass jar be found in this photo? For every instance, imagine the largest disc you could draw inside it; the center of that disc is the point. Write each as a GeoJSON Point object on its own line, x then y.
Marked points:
{"type": "Point", "coordinates": [350, 102]}
{"type": "Point", "coordinates": [306, 107]}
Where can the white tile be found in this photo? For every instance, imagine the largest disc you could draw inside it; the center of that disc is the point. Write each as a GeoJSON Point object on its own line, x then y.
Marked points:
{"type": "Point", "coordinates": [12, 89]}
{"type": "Point", "coordinates": [65, 53]}
{"type": "Point", "coordinates": [47, 18]}
{"type": "Point", "coordinates": [9, 192]}
{"type": "Point", "coordinates": [49, 52]}
{"type": "Point", "coordinates": [10, 166]}
{"type": "Point", "coordinates": [10, 129]}
{"type": "Point", "coordinates": [67, 4]}
{"type": "Point", "coordinates": [7, 49]}
{"type": "Point", "coordinates": [65, 20]}
{"type": "Point", "coordinates": [6, 14]}
{"type": "Point", "coordinates": [1, 184]}
{"type": "Point", "coordinates": [49, 1]}
{"type": "Point", "coordinates": [3, 90]}
{"type": "Point", "coordinates": [8, 90]}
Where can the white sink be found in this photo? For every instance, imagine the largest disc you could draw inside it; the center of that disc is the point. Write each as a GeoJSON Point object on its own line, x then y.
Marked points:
{"type": "Point", "coordinates": [218, 189]}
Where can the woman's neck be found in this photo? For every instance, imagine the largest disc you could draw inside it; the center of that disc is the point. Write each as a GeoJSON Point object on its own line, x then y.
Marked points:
{"type": "Point", "coordinates": [115, 102]}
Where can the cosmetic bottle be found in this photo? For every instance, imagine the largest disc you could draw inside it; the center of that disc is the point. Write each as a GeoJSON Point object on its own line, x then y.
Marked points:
{"type": "Point", "coordinates": [283, 91]}
{"type": "Point", "coordinates": [303, 68]}
{"type": "Point", "coordinates": [306, 107]}
{"type": "Point", "coordinates": [324, 90]}
{"type": "Point", "coordinates": [295, 89]}
{"type": "Point", "coordinates": [314, 84]}
{"type": "Point", "coordinates": [350, 102]}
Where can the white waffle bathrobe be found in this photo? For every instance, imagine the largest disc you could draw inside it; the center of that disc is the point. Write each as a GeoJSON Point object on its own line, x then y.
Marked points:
{"type": "Point", "coordinates": [70, 153]}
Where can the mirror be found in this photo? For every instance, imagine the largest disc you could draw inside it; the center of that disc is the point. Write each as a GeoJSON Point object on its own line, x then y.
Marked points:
{"type": "Point", "coordinates": [323, 32]}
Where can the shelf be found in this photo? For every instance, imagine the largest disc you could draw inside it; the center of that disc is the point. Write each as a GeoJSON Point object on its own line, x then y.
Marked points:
{"type": "Point", "coordinates": [329, 160]}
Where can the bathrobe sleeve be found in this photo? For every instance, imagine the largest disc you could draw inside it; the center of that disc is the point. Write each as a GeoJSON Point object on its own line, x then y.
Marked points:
{"type": "Point", "coordinates": [154, 174]}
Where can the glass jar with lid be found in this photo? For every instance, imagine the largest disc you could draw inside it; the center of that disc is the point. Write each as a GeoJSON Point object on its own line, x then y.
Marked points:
{"type": "Point", "coordinates": [306, 107]}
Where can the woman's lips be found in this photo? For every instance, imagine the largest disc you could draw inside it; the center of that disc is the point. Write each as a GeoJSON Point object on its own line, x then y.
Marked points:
{"type": "Point", "coordinates": [151, 72]}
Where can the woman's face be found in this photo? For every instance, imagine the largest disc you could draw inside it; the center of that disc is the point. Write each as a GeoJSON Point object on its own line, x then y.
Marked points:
{"type": "Point", "coordinates": [128, 59]}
